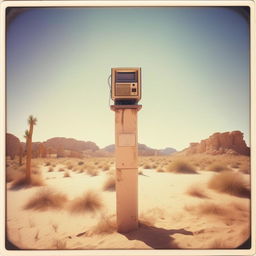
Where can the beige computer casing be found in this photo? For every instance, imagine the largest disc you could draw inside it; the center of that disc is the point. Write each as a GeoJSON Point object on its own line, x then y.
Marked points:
{"type": "Point", "coordinates": [128, 90]}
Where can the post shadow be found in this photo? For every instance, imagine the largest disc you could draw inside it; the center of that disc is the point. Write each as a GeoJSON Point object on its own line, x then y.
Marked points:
{"type": "Point", "coordinates": [156, 238]}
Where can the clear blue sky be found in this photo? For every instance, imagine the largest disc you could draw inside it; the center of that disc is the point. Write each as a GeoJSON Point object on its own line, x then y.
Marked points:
{"type": "Point", "coordinates": [195, 72]}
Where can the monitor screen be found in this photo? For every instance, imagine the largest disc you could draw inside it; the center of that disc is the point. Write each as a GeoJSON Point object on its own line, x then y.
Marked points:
{"type": "Point", "coordinates": [126, 77]}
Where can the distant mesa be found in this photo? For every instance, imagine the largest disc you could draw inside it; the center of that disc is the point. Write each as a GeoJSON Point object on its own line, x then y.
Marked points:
{"type": "Point", "coordinates": [220, 143]}
{"type": "Point", "coordinates": [144, 150]}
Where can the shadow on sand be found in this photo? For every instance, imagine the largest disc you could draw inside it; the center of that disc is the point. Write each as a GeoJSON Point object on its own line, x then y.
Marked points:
{"type": "Point", "coordinates": [156, 238]}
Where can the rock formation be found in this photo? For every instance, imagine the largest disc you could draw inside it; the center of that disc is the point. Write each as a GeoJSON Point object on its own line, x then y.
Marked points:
{"type": "Point", "coordinates": [12, 145]}
{"type": "Point", "coordinates": [221, 143]}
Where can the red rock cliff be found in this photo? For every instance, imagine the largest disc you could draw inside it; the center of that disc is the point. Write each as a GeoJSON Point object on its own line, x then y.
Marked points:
{"type": "Point", "coordinates": [221, 143]}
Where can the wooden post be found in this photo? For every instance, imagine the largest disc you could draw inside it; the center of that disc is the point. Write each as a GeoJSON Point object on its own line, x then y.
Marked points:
{"type": "Point", "coordinates": [126, 153]}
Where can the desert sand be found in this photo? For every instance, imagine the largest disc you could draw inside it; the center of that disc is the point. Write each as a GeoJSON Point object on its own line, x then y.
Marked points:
{"type": "Point", "coordinates": [176, 209]}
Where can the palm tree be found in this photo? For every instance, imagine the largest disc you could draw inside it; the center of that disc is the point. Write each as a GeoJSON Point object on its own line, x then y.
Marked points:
{"type": "Point", "coordinates": [31, 122]}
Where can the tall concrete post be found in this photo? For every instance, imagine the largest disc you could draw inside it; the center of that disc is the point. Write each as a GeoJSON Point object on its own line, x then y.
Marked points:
{"type": "Point", "coordinates": [126, 154]}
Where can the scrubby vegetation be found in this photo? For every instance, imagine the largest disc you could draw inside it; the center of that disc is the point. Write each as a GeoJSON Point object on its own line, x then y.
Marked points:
{"type": "Point", "coordinates": [180, 166]}
{"type": "Point", "coordinates": [89, 202]}
{"type": "Point", "coordinates": [45, 199]}
{"type": "Point", "coordinates": [231, 183]}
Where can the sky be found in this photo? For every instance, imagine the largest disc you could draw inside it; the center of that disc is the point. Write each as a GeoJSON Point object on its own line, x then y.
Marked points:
{"type": "Point", "coordinates": [195, 72]}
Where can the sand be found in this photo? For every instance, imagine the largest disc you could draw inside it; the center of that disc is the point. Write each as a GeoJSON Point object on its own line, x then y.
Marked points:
{"type": "Point", "coordinates": [169, 217]}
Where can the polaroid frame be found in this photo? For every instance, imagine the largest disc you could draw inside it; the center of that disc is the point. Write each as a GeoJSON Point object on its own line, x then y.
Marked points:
{"type": "Point", "coordinates": [96, 3]}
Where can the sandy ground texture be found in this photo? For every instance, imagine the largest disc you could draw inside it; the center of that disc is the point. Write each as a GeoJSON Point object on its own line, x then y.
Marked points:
{"type": "Point", "coordinates": [176, 210]}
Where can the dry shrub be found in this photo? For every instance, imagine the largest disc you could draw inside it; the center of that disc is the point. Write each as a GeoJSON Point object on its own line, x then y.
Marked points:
{"type": "Point", "coordinates": [245, 168]}
{"type": "Point", "coordinates": [46, 199]}
{"type": "Point", "coordinates": [70, 167]}
{"type": "Point", "coordinates": [231, 183]}
{"type": "Point", "coordinates": [208, 209]}
{"type": "Point", "coordinates": [217, 167]}
{"type": "Point", "coordinates": [147, 166]}
{"type": "Point", "coordinates": [59, 244]}
{"type": "Point", "coordinates": [91, 170]}
{"type": "Point", "coordinates": [80, 163]}
{"type": "Point", "coordinates": [88, 202]}
{"type": "Point", "coordinates": [50, 169]}
{"type": "Point", "coordinates": [66, 174]}
{"type": "Point", "coordinates": [110, 184]}
{"type": "Point", "coordinates": [196, 191]}
{"type": "Point", "coordinates": [180, 166]}
{"type": "Point", "coordinates": [160, 169]}
{"type": "Point", "coordinates": [106, 225]}
{"type": "Point", "coordinates": [13, 173]}
{"type": "Point", "coordinates": [61, 169]}
{"type": "Point", "coordinates": [47, 163]}
{"type": "Point", "coordinates": [21, 181]}
{"type": "Point", "coordinates": [106, 167]}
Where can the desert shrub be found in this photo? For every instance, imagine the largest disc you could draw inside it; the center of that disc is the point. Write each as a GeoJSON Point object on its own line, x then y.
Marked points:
{"type": "Point", "coordinates": [13, 173]}
{"type": "Point", "coordinates": [88, 202]}
{"type": "Point", "coordinates": [21, 181]}
{"type": "Point", "coordinates": [91, 170]}
{"type": "Point", "coordinates": [50, 169]}
{"type": "Point", "coordinates": [217, 167]}
{"type": "Point", "coordinates": [80, 163]}
{"type": "Point", "coordinates": [110, 184]}
{"type": "Point", "coordinates": [180, 166]}
{"type": "Point", "coordinates": [66, 174]}
{"type": "Point", "coordinates": [231, 183]}
{"type": "Point", "coordinates": [196, 191]}
{"type": "Point", "coordinates": [70, 166]}
{"type": "Point", "coordinates": [147, 166]}
{"type": "Point", "coordinates": [59, 244]}
{"type": "Point", "coordinates": [106, 225]}
{"type": "Point", "coordinates": [208, 208]}
{"type": "Point", "coordinates": [106, 167]}
{"type": "Point", "coordinates": [160, 169]}
{"type": "Point", "coordinates": [245, 168]}
{"type": "Point", "coordinates": [47, 163]}
{"type": "Point", "coordinates": [61, 169]}
{"type": "Point", "coordinates": [46, 199]}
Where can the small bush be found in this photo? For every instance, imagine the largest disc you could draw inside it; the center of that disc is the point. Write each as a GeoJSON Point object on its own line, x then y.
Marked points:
{"type": "Point", "coordinates": [231, 183]}
{"type": "Point", "coordinates": [91, 170]}
{"type": "Point", "coordinates": [61, 169]}
{"type": "Point", "coordinates": [66, 174]}
{"type": "Point", "coordinates": [110, 184]}
{"type": "Point", "coordinates": [147, 166]}
{"type": "Point", "coordinates": [88, 202]}
{"type": "Point", "coordinates": [47, 163]}
{"type": "Point", "coordinates": [50, 169]}
{"type": "Point", "coordinates": [80, 163]}
{"type": "Point", "coordinates": [180, 166]}
{"type": "Point", "coordinates": [46, 199]}
{"type": "Point", "coordinates": [70, 167]}
{"type": "Point", "coordinates": [21, 181]}
{"type": "Point", "coordinates": [160, 170]}
{"type": "Point", "coordinates": [107, 225]}
{"type": "Point", "coordinates": [217, 167]}
{"type": "Point", "coordinates": [196, 191]}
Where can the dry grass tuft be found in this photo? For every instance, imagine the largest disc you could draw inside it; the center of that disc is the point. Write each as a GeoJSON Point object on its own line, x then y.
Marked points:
{"type": "Point", "coordinates": [46, 199]}
{"type": "Point", "coordinates": [50, 169]}
{"type": "Point", "coordinates": [88, 202]}
{"type": "Point", "coordinates": [217, 167]}
{"type": "Point", "coordinates": [59, 244]}
{"type": "Point", "coordinates": [91, 170]}
{"type": "Point", "coordinates": [61, 169]}
{"type": "Point", "coordinates": [208, 209]}
{"type": "Point", "coordinates": [107, 225]}
{"type": "Point", "coordinates": [21, 181]}
{"type": "Point", "coordinates": [196, 191]}
{"type": "Point", "coordinates": [180, 166]}
{"type": "Point", "coordinates": [66, 174]}
{"type": "Point", "coordinates": [110, 184]}
{"type": "Point", "coordinates": [231, 183]}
